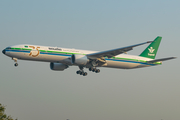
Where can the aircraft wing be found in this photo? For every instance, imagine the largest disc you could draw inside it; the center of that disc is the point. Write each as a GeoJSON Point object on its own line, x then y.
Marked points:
{"type": "Point", "coordinates": [113, 52]}
{"type": "Point", "coordinates": [162, 59]}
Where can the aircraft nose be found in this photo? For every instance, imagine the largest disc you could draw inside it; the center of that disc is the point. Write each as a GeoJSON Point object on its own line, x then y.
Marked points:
{"type": "Point", "coordinates": [4, 51]}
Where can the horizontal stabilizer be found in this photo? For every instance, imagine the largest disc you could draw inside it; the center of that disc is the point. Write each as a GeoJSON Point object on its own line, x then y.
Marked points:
{"type": "Point", "coordinates": [162, 59]}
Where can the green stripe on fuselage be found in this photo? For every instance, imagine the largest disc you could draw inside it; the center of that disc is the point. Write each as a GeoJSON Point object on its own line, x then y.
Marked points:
{"type": "Point", "coordinates": [25, 49]}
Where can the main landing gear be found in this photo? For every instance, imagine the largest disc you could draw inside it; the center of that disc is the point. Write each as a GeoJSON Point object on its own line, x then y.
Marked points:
{"type": "Point", "coordinates": [15, 60]}
{"type": "Point", "coordinates": [94, 70]}
{"type": "Point", "coordinates": [81, 71]}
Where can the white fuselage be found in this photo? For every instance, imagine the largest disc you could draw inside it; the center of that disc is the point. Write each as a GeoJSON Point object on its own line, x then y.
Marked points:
{"type": "Point", "coordinates": [63, 55]}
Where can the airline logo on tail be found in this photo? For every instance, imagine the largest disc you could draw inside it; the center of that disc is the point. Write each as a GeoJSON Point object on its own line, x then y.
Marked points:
{"type": "Point", "coordinates": [151, 50]}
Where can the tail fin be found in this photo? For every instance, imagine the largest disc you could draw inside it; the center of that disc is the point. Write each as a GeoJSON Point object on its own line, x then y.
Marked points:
{"type": "Point", "coordinates": [151, 50]}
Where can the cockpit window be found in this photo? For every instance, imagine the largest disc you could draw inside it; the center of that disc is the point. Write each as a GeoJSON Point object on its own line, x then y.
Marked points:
{"type": "Point", "coordinates": [8, 48]}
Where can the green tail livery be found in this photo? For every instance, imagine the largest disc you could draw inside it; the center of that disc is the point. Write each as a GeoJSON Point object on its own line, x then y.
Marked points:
{"type": "Point", "coordinates": [151, 50]}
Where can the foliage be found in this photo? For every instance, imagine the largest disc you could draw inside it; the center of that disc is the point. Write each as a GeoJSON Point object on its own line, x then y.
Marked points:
{"type": "Point", "coordinates": [3, 116]}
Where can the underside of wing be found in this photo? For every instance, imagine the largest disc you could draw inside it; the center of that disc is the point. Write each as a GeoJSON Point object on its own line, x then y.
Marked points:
{"type": "Point", "coordinates": [114, 52]}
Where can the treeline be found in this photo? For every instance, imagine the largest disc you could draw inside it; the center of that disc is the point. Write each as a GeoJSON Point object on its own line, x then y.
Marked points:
{"type": "Point", "coordinates": [3, 116]}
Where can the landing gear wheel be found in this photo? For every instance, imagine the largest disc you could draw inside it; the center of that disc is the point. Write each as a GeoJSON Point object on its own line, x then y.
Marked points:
{"type": "Point", "coordinates": [94, 70]}
{"type": "Point", "coordinates": [97, 71]}
{"type": "Point", "coordinates": [78, 72]}
{"type": "Point", "coordinates": [81, 73]}
{"type": "Point", "coordinates": [84, 74]}
{"type": "Point", "coordinates": [16, 64]}
{"type": "Point", "coordinates": [90, 69]}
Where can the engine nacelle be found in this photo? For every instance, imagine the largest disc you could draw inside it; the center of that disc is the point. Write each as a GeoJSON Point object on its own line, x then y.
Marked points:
{"type": "Point", "coordinates": [79, 59]}
{"type": "Point", "coordinates": [58, 66]}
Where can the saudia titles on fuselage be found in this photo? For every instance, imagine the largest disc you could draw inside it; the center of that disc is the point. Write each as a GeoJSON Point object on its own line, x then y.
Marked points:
{"type": "Point", "coordinates": [55, 49]}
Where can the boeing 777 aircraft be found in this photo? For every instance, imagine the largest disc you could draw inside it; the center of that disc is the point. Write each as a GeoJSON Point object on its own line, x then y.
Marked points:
{"type": "Point", "coordinates": [62, 58]}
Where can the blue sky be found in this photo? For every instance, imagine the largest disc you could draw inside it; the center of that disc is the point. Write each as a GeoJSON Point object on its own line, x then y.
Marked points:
{"type": "Point", "coordinates": [33, 91]}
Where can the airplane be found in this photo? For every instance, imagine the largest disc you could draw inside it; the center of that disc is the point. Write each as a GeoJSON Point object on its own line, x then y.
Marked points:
{"type": "Point", "coordinates": [61, 58]}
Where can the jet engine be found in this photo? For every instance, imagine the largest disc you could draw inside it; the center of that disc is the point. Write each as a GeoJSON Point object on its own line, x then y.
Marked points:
{"type": "Point", "coordinates": [79, 59]}
{"type": "Point", "coordinates": [58, 66]}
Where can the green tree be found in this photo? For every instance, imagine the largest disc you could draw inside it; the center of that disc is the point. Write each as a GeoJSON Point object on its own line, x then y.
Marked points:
{"type": "Point", "coordinates": [3, 116]}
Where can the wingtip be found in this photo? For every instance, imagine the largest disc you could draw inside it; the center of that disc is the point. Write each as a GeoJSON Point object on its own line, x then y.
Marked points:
{"type": "Point", "coordinates": [149, 41]}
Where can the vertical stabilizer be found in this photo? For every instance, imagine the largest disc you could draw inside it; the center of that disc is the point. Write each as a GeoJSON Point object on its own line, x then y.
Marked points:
{"type": "Point", "coordinates": [151, 50]}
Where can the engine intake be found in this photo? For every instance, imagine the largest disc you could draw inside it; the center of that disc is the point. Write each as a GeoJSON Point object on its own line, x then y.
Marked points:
{"type": "Point", "coordinates": [58, 66]}
{"type": "Point", "coordinates": [79, 59]}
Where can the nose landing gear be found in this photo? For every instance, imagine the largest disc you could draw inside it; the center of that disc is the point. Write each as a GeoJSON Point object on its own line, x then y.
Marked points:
{"type": "Point", "coordinates": [15, 60]}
